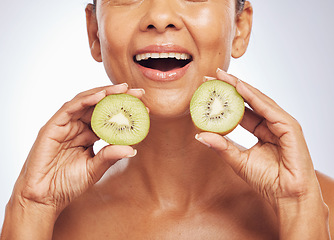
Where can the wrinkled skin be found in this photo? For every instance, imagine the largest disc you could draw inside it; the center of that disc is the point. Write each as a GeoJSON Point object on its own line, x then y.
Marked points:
{"type": "Point", "coordinates": [175, 187]}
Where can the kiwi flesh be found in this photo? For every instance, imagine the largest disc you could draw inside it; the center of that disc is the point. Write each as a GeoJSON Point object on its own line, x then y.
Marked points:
{"type": "Point", "coordinates": [120, 119]}
{"type": "Point", "coordinates": [217, 107]}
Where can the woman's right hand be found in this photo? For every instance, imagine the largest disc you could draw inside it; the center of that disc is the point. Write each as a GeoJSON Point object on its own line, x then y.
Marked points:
{"type": "Point", "coordinates": [62, 164]}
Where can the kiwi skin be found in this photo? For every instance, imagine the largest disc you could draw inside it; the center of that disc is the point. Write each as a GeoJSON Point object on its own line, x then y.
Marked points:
{"type": "Point", "coordinates": [126, 108]}
{"type": "Point", "coordinates": [225, 120]}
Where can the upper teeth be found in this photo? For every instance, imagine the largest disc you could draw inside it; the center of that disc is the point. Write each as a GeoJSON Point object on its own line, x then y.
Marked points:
{"type": "Point", "coordinates": [178, 56]}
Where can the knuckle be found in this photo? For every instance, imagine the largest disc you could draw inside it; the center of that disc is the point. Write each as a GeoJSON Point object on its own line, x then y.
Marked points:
{"type": "Point", "coordinates": [76, 98]}
{"type": "Point", "coordinates": [44, 130]}
{"type": "Point", "coordinates": [66, 105]}
{"type": "Point", "coordinates": [79, 95]}
{"type": "Point", "coordinates": [32, 191]}
{"type": "Point", "coordinates": [295, 125]}
{"type": "Point", "coordinates": [298, 188]}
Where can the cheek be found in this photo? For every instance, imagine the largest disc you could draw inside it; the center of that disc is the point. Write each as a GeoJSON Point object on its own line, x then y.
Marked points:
{"type": "Point", "coordinates": [213, 34]}
{"type": "Point", "coordinates": [115, 38]}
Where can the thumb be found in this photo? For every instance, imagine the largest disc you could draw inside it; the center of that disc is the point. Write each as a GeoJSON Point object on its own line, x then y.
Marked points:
{"type": "Point", "coordinates": [229, 152]}
{"type": "Point", "coordinates": [107, 157]}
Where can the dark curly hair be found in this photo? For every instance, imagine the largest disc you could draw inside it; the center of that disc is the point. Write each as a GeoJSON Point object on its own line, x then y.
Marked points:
{"type": "Point", "coordinates": [239, 5]}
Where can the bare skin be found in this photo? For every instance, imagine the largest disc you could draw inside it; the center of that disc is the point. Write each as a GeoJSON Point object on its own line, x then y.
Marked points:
{"type": "Point", "coordinates": [103, 214]}
{"type": "Point", "coordinates": [171, 186]}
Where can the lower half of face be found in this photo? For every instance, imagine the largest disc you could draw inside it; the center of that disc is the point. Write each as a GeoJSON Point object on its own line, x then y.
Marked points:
{"type": "Point", "coordinates": [169, 64]}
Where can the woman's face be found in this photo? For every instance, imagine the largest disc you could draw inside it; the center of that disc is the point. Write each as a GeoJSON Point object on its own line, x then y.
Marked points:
{"type": "Point", "coordinates": [165, 47]}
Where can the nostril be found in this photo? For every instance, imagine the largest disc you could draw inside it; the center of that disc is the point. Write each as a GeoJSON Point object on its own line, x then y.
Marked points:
{"type": "Point", "coordinates": [170, 26]}
{"type": "Point", "coordinates": [151, 26]}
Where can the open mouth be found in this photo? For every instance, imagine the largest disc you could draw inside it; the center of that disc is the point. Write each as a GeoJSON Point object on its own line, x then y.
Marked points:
{"type": "Point", "coordinates": [163, 61]}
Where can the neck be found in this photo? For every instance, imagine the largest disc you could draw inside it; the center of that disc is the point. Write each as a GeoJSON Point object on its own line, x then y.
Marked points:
{"type": "Point", "coordinates": [177, 170]}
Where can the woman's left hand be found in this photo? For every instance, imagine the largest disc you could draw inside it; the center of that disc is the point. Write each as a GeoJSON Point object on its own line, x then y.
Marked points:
{"type": "Point", "coordinates": [279, 166]}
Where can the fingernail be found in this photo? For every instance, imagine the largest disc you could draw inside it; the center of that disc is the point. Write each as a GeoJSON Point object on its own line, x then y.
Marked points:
{"type": "Point", "coordinates": [148, 110]}
{"type": "Point", "coordinates": [240, 82]}
{"type": "Point", "coordinates": [218, 70]}
{"type": "Point", "coordinates": [124, 84]}
{"type": "Point", "coordinates": [103, 92]}
{"type": "Point", "coordinates": [139, 89]}
{"type": "Point", "coordinates": [206, 78]}
{"type": "Point", "coordinates": [132, 155]}
{"type": "Point", "coordinates": [198, 138]}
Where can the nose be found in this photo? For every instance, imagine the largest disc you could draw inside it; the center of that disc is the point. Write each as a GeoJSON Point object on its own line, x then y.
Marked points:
{"type": "Point", "coordinates": [160, 16]}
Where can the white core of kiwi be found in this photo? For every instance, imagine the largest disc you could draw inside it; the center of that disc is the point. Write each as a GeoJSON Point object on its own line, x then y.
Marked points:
{"type": "Point", "coordinates": [216, 107]}
{"type": "Point", "coordinates": [119, 119]}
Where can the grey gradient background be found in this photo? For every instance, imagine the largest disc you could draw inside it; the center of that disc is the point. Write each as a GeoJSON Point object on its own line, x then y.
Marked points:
{"type": "Point", "coordinates": [45, 61]}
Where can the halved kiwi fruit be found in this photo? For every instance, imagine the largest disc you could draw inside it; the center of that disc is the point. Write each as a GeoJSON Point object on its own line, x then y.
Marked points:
{"type": "Point", "coordinates": [120, 119]}
{"type": "Point", "coordinates": [217, 107]}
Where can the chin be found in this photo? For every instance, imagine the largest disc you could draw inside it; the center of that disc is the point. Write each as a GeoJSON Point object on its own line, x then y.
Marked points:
{"type": "Point", "coordinates": [169, 115]}
{"type": "Point", "coordinates": [164, 108]}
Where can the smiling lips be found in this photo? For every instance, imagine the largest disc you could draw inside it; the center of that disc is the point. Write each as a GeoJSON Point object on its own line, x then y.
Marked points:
{"type": "Point", "coordinates": [163, 63]}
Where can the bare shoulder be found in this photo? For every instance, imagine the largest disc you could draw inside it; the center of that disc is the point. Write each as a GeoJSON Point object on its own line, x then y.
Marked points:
{"type": "Point", "coordinates": [327, 189]}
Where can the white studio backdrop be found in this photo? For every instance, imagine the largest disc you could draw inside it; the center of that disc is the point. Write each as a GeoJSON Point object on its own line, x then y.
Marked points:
{"type": "Point", "coordinates": [45, 61]}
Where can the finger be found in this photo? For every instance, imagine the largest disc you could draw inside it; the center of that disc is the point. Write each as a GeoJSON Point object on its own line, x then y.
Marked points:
{"type": "Point", "coordinates": [87, 115]}
{"type": "Point", "coordinates": [84, 139]}
{"type": "Point", "coordinates": [75, 108]}
{"type": "Point", "coordinates": [138, 93]}
{"type": "Point", "coordinates": [83, 101]}
{"type": "Point", "coordinates": [226, 149]}
{"type": "Point", "coordinates": [107, 157]}
{"type": "Point", "coordinates": [115, 89]}
{"type": "Point", "coordinates": [263, 105]}
{"type": "Point", "coordinates": [222, 75]}
{"type": "Point", "coordinates": [110, 89]}
{"type": "Point", "coordinates": [237, 83]}
{"type": "Point", "coordinates": [257, 125]}
{"type": "Point", "coordinates": [278, 121]}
